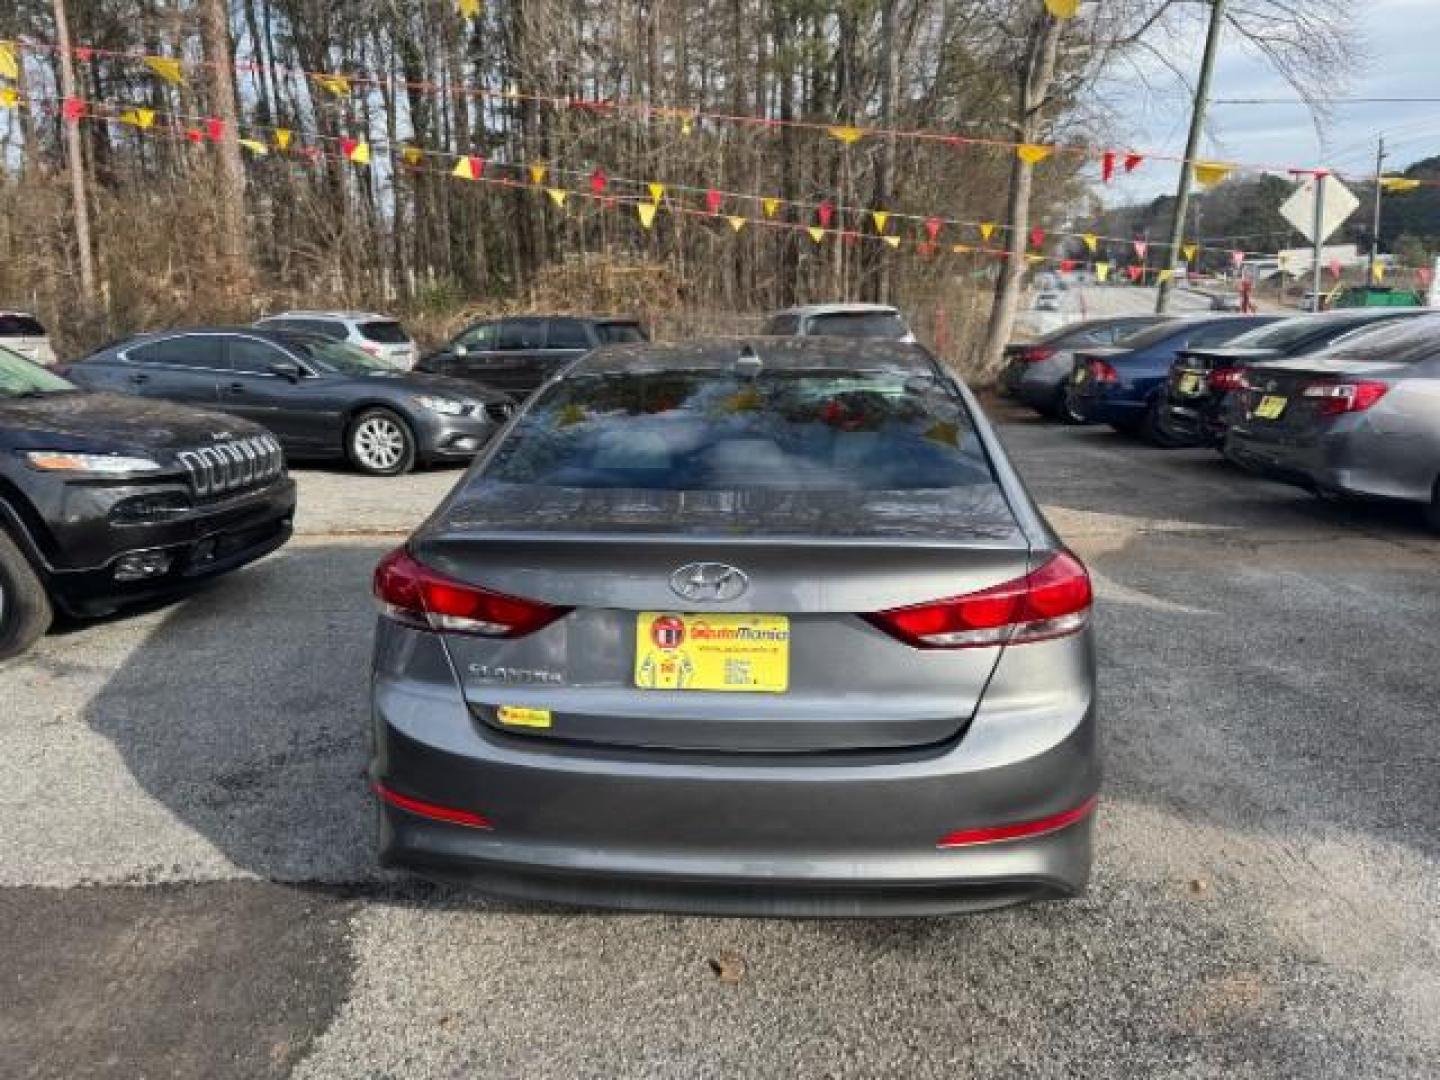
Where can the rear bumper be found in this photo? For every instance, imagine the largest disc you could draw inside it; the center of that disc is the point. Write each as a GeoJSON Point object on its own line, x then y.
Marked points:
{"type": "Point", "coordinates": [1192, 424]}
{"type": "Point", "coordinates": [828, 834]}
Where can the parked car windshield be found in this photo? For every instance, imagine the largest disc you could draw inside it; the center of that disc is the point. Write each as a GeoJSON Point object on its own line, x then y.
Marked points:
{"type": "Point", "coordinates": [387, 332]}
{"type": "Point", "coordinates": [707, 430]}
{"type": "Point", "coordinates": [19, 377]}
{"type": "Point", "coordinates": [885, 325]}
{"type": "Point", "coordinates": [338, 358]}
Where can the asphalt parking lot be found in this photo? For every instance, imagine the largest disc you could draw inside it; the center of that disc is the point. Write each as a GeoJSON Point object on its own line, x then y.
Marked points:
{"type": "Point", "coordinates": [187, 888]}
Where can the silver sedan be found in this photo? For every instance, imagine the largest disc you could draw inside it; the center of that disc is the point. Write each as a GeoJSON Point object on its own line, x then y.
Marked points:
{"type": "Point", "coordinates": [765, 627]}
{"type": "Point", "coordinates": [1362, 418]}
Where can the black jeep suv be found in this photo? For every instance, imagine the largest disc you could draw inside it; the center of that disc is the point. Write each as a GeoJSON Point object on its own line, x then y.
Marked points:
{"type": "Point", "coordinates": [105, 500]}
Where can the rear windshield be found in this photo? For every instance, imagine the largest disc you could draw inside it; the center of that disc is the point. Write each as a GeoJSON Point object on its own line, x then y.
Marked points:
{"type": "Point", "coordinates": [386, 333]}
{"type": "Point", "coordinates": [619, 333]}
{"type": "Point", "coordinates": [1409, 341]}
{"type": "Point", "coordinates": [707, 431]}
{"type": "Point", "coordinates": [886, 325]}
{"type": "Point", "coordinates": [12, 325]}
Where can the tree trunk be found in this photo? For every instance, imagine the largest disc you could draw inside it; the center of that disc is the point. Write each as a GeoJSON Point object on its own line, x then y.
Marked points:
{"type": "Point", "coordinates": [1042, 46]}
{"type": "Point", "coordinates": [76, 162]}
{"type": "Point", "coordinates": [230, 170]}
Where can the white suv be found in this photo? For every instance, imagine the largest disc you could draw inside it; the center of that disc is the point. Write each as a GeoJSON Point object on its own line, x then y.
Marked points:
{"type": "Point", "coordinates": [840, 320]}
{"type": "Point", "coordinates": [379, 335]}
{"type": "Point", "coordinates": [21, 332]}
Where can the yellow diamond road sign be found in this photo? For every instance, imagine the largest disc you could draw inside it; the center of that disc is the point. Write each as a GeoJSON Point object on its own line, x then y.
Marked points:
{"type": "Point", "coordinates": [1299, 209]}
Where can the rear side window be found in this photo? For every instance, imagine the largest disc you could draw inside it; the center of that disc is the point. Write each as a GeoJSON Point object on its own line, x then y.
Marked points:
{"type": "Point", "coordinates": [709, 430]}
{"type": "Point", "coordinates": [386, 332]}
{"type": "Point", "coordinates": [522, 334]}
{"type": "Point", "coordinates": [20, 326]}
{"type": "Point", "coordinates": [328, 328]}
{"type": "Point", "coordinates": [567, 334]}
{"type": "Point", "coordinates": [193, 350]}
{"type": "Point", "coordinates": [885, 325]}
{"type": "Point", "coordinates": [620, 333]}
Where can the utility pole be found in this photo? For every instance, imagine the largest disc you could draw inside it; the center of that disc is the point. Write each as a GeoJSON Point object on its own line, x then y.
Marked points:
{"type": "Point", "coordinates": [1375, 225]}
{"type": "Point", "coordinates": [1317, 228]}
{"type": "Point", "coordinates": [1192, 146]}
{"type": "Point", "coordinates": [76, 162]}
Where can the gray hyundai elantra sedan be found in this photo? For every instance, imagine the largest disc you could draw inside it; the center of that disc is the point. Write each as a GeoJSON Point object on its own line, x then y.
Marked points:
{"type": "Point", "coordinates": [766, 626]}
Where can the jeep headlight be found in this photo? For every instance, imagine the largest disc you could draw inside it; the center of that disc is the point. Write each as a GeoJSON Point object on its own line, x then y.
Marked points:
{"type": "Point", "coordinates": [444, 406]}
{"type": "Point", "coordinates": [109, 464]}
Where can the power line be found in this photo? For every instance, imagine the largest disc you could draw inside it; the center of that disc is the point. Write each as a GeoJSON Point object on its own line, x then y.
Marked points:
{"type": "Point", "coordinates": [1329, 101]}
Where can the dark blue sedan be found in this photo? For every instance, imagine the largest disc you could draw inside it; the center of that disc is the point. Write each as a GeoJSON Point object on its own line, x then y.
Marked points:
{"type": "Point", "coordinates": [1124, 386]}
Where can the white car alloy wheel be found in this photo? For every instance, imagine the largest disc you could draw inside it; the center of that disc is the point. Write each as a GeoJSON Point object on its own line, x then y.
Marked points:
{"type": "Point", "coordinates": [381, 443]}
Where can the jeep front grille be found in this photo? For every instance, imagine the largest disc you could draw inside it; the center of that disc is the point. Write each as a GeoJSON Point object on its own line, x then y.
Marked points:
{"type": "Point", "coordinates": [230, 467]}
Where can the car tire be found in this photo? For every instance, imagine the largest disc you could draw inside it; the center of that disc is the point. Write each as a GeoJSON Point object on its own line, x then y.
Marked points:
{"type": "Point", "coordinates": [1150, 429]}
{"type": "Point", "coordinates": [379, 442]}
{"type": "Point", "coordinates": [1067, 411]}
{"type": "Point", "coordinates": [25, 612]}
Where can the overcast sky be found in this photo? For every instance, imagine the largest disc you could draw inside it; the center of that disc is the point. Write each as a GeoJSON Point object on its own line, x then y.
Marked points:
{"type": "Point", "coordinates": [1402, 40]}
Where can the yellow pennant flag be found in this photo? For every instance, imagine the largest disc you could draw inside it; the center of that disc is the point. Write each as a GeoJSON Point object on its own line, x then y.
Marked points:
{"type": "Point", "coordinates": [465, 169]}
{"type": "Point", "coordinates": [412, 155]}
{"type": "Point", "coordinates": [1210, 173]}
{"type": "Point", "coordinates": [140, 118]}
{"type": "Point", "coordinates": [255, 146]}
{"type": "Point", "coordinates": [657, 192]}
{"type": "Point", "coordinates": [282, 138]}
{"type": "Point", "coordinates": [771, 206]}
{"type": "Point", "coordinates": [687, 125]}
{"type": "Point", "coordinates": [1191, 250]}
{"type": "Point", "coordinates": [881, 219]}
{"type": "Point", "coordinates": [1398, 184]}
{"type": "Point", "coordinates": [1377, 272]}
{"type": "Point", "coordinates": [9, 61]}
{"type": "Point", "coordinates": [1063, 9]}
{"type": "Point", "coordinates": [557, 196]}
{"type": "Point", "coordinates": [537, 173]}
{"type": "Point", "coordinates": [646, 213]}
{"type": "Point", "coordinates": [1032, 153]}
{"type": "Point", "coordinates": [987, 230]}
{"type": "Point", "coordinates": [339, 85]}
{"type": "Point", "coordinates": [1102, 271]}
{"type": "Point", "coordinates": [9, 97]}
{"type": "Point", "coordinates": [846, 134]}
{"type": "Point", "coordinates": [893, 241]}
{"type": "Point", "coordinates": [166, 67]}
{"type": "Point", "coordinates": [1033, 258]}
{"type": "Point", "coordinates": [359, 153]}
{"type": "Point", "coordinates": [1164, 276]}
{"type": "Point", "coordinates": [816, 233]}
{"type": "Point", "coordinates": [1092, 242]}
{"type": "Point", "coordinates": [736, 223]}
{"type": "Point", "coordinates": [469, 9]}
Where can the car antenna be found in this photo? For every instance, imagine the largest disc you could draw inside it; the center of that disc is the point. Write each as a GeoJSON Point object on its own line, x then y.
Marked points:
{"type": "Point", "coordinates": [748, 363]}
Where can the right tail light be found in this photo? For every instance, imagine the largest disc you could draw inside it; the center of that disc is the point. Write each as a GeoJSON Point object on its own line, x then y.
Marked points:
{"type": "Point", "coordinates": [1354, 395]}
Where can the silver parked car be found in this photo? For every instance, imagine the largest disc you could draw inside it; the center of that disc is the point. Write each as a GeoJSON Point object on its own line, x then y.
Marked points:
{"type": "Point", "coordinates": [765, 627]}
{"type": "Point", "coordinates": [378, 335]}
{"type": "Point", "coordinates": [1361, 418]}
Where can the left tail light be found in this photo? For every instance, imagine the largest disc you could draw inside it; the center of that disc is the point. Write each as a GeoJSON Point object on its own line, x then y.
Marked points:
{"type": "Point", "coordinates": [1335, 398]}
{"type": "Point", "coordinates": [1102, 371]}
{"type": "Point", "coordinates": [1050, 602]}
{"type": "Point", "coordinates": [412, 593]}
{"type": "Point", "coordinates": [1226, 379]}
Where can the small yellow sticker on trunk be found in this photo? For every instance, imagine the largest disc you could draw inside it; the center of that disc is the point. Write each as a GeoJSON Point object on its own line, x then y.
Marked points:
{"type": "Point", "coordinates": [520, 716]}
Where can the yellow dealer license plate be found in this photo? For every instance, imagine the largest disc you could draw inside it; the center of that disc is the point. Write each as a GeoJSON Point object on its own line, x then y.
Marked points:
{"type": "Point", "coordinates": [1190, 384]}
{"type": "Point", "coordinates": [712, 652]}
{"type": "Point", "coordinates": [1270, 407]}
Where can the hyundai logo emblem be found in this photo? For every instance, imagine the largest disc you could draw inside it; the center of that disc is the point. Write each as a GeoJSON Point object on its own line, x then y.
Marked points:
{"type": "Point", "coordinates": [709, 581]}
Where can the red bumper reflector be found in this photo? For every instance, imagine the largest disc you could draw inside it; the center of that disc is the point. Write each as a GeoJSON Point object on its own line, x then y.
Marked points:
{"type": "Point", "coordinates": [994, 834]}
{"type": "Point", "coordinates": [430, 810]}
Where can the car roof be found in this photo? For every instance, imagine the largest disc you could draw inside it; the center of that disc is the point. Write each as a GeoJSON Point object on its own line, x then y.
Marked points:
{"type": "Point", "coordinates": [353, 316]}
{"type": "Point", "coordinates": [556, 315]}
{"type": "Point", "coordinates": [774, 353]}
{"type": "Point", "coordinates": [266, 332]}
{"type": "Point", "coordinates": [837, 309]}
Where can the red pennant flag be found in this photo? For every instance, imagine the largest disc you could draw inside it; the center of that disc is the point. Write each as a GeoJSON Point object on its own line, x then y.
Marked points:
{"type": "Point", "coordinates": [72, 108]}
{"type": "Point", "coordinates": [1067, 266]}
{"type": "Point", "coordinates": [713, 199]}
{"type": "Point", "coordinates": [347, 146]}
{"type": "Point", "coordinates": [850, 237]}
{"type": "Point", "coordinates": [1037, 236]}
{"type": "Point", "coordinates": [1107, 166]}
{"type": "Point", "coordinates": [1236, 258]}
{"type": "Point", "coordinates": [1134, 272]}
{"type": "Point", "coordinates": [194, 135]}
{"type": "Point", "coordinates": [597, 182]}
{"type": "Point", "coordinates": [84, 53]}
{"type": "Point", "coordinates": [214, 129]}
{"type": "Point", "coordinates": [1141, 247]}
{"type": "Point", "coordinates": [932, 228]}
{"type": "Point", "coordinates": [1132, 161]}
{"type": "Point", "coordinates": [1424, 275]}
{"type": "Point", "coordinates": [825, 211]}
{"type": "Point", "coordinates": [1335, 268]}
